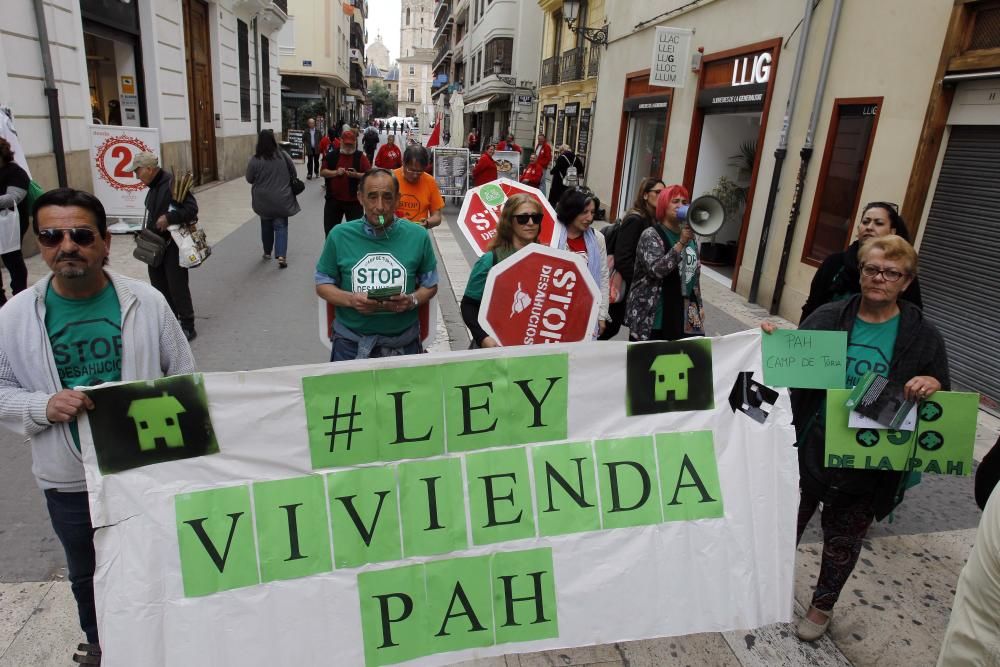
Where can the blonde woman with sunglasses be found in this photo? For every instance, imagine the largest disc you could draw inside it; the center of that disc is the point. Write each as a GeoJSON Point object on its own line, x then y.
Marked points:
{"type": "Point", "coordinates": [520, 222]}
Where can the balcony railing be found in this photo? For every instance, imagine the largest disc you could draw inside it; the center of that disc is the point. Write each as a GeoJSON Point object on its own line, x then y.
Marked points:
{"type": "Point", "coordinates": [594, 63]}
{"type": "Point", "coordinates": [443, 54]}
{"type": "Point", "coordinates": [550, 71]}
{"type": "Point", "coordinates": [443, 30]}
{"type": "Point", "coordinates": [282, 5]}
{"type": "Point", "coordinates": [441, 8]}
{"type": "Point", "coordinates": [572, 66]}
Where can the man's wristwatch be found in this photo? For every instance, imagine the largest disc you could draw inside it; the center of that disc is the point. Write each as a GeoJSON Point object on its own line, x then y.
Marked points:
{"type": "Point", "coordinates": [413, 301]}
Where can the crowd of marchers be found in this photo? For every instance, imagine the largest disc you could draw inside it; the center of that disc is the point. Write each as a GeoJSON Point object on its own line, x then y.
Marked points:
{"type": "Point", "coordinates": [377, 267]}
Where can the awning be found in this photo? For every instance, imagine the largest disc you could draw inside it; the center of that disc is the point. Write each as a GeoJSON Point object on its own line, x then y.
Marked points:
{"type": "Point", "coordinates": [480, 105]}
{"type": "Point", "coordinates": [301, 96]}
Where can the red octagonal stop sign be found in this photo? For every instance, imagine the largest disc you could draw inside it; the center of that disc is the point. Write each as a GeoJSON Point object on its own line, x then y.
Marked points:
{"type": "Point", "coordinates": [540, 295]}
{"type": "Point", "coordinates": [481, 211]}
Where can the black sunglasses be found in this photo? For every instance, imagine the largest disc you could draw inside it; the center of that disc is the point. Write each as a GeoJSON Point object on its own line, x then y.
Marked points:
{"type": "Point", "coordinates": [81, 236]}
{"type": "Point", "coordinates": [523, 218]}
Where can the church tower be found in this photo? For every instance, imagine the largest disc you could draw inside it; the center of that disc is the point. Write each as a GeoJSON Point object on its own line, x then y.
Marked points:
{"type": "Point", "coordinates": [416, 26]}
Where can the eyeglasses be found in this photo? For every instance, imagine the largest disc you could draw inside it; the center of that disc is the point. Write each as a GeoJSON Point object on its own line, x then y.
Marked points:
{"type": "Point", "coordinates": [525, 218]}
{"type": "Point", "coordinates": [882, 204]}
{"type": "Point", "coordinates": [890, 275]}
{"type": "Point", "coordinates": [81, 236]}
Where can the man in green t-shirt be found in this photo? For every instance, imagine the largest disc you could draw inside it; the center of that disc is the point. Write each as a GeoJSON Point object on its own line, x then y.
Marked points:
{"type": "Point", "coordinates": [376, 271]}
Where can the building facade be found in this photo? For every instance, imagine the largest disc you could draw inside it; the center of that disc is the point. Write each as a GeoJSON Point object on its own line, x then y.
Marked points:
{"type": "Point", "coordinates": [203, 73]}
{"type": "Point", "coordinates": [416, 60]}
{"type": "Point", "coordinates": [911, 118]}
{"type": "Point", "coordinates": [377, 54]}
{"type": "Point", "coordinates": [322, 61]}
{"type": "Point", "coordinates": [493, 105]}
{"type": "Point", "coordinates": [567, 86]}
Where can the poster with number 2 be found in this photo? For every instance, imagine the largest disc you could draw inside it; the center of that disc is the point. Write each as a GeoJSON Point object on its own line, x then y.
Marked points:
{"type": "Point", "coordinates": [111, 151]}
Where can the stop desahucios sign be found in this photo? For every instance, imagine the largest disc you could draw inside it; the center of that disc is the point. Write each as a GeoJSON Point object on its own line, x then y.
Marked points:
{"type": "Point", "coordinates": [540, 295]}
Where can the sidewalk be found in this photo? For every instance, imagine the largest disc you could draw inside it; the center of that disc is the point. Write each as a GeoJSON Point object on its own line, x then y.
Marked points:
{"type": "Point", "coordinates": [894, 609]}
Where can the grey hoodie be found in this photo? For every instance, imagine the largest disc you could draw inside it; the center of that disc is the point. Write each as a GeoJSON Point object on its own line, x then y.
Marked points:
{"type": "Point", "coordinates": [153, 346]}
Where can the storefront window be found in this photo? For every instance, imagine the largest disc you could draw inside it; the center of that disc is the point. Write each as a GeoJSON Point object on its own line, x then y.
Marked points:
{"type": "Point", "coordinates": [112, 76]}
{"type": "Point", "coordinates": [852, 130]}
{"type": "Point", "coordinates": [646, 132]}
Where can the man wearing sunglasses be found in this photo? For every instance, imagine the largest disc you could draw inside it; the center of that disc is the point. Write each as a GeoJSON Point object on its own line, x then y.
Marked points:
{"type": "Point", "coordinates": [162, 211]}
{"type": "Point", "coordinates": [81, 325]}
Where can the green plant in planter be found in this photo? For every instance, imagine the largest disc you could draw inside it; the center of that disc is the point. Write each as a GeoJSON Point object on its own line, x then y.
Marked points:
{"type": "Point", "coordinates": [731, 196]}
{"type": "Point", "coordinates": [744, 161]}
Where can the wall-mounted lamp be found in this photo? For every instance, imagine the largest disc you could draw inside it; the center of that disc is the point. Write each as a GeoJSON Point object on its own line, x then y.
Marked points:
{"type": "Point", "coordinates": [571, 12]}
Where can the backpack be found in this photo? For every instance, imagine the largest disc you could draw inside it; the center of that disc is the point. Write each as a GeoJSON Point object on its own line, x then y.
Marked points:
{"type": "Point", "coordinates": [617, 287]}
{"type": "Point", "coordinates": [572, 177]}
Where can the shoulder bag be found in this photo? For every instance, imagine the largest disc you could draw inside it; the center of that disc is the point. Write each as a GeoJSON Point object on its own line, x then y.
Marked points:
{"type": "Point", "coordinates": [294, 182]}
{"type": "Point", "coordinates": [149, 247]}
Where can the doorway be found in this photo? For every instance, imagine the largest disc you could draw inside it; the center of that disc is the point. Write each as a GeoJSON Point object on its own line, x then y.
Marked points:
{"type": "Point", "coordinates": [647, 132]}
{"type": "Point", "coordinates": [725, 169]}
{"type": "Point", "coordinates": [198, 57]}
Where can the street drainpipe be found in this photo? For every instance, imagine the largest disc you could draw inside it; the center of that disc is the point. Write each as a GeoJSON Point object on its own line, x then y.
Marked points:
{"type": "Point", "coordinates": [781, 151]}
{"type": "Point", "coordinates": [256, 59]}
{"type": "Point", "coordinates": [807, 150]}
{"type": "Point", "coordinates": [52, 93]}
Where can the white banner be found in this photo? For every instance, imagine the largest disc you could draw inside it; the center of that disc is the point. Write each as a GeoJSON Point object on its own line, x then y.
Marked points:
{"type": "Point", "coordinates": [426, 511]}
{"type": "Point", "coordinates": [671, 57]}
{"type": "Point", "coordinates": [111, 151]}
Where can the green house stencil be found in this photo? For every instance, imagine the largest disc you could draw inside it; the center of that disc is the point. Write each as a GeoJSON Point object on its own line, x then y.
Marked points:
{"type": "Point", "coordinates": [157, 418]}
{"type": "Point", "coordinates": [671, 376]}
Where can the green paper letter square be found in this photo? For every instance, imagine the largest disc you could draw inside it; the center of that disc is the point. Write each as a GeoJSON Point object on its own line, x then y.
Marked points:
{"type": "Point", "coordinates": [538, 397]}
{"type": "Point", "coordinates": [477, 408]}
{"type": "Point", "coordinates": [341, 419]}
{"type": "Point", "coordinates": [499, 496]}
{"type": "Point", "coordinates": [524, 596]}
{"type": "Point", "coordinates": [292, 528]}
{"type": "Point", "coordinates": [432, 506]}
{"type": "Point", "coordinates": [566, 489]}
{"type": "Point", "coordinates": [689, 476]}
{"type": "Point", "coordinates": [215, 537]}
{"type": "Point", "coordinates": [460, 604]}
{"type": "Point", "coordinates": [630, 491]}
{"type": "Point", "coordinates": [410, 412]}
{"type": "Point", "coordinates": [365, 516]}
{"type": "Point", "coordinates": [393, 615]}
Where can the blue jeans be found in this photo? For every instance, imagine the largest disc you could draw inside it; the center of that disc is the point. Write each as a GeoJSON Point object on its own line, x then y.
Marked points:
{"type": "Point", "coordinates": [347, 350]}
{"type": "Point", "coordinates": [274, 234]}
{"type": "Point", "coordinates": [70, 515]}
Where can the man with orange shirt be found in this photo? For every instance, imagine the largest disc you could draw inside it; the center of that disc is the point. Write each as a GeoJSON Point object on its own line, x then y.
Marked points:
{"type": "Point", "coordinates": [420, 199]}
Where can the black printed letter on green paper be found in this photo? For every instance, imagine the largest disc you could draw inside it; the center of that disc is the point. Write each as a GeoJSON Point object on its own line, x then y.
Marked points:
{"type": "Point", "coordinates": [340, 416]}
{"type": "Point", "coordinates": [215, 536]}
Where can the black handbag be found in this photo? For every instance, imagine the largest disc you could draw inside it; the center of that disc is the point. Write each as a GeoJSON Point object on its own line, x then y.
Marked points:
{"type": "Point", "coordinates": [294, 182]}
{"type": "Point", "coordinates": [150, 248]}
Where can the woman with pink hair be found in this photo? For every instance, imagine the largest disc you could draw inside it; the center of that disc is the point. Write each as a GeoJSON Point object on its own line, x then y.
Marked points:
{"type": "Point", "coordinates": [664, 301]}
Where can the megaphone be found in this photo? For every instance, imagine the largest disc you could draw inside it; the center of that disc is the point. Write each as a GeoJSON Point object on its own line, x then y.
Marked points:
{"type": "Point", "coordinates": [705, 215]}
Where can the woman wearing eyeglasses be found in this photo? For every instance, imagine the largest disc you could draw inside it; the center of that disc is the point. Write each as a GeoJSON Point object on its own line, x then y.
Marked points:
{"type": "Point", "coordinates": [519, 224]}
{"type": "Point", "coordinates": [664, 301]}
{"type": "Point", "coordinates": [839, 278]}
{"type": "Point", "coordinates": [637, 219]}
{"type": "Point", "coordinates": [892, 337]}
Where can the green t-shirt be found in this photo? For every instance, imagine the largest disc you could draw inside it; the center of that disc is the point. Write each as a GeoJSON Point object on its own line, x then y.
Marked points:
{"type": "Point", "coordinates": [86, 338]}
{"type": "Point", "coordinates": [477, 278]}
{"type": "Point", "coordinates": [360, 262]}
{"type": "Point", "coordinates": [870, 348]}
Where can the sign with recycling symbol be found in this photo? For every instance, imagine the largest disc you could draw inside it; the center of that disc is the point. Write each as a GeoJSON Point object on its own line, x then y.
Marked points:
{"type": "Point", "coordinates": [942, 442]}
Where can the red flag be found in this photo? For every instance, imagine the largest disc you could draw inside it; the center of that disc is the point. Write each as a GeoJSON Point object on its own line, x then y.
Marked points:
{"type": "Point", "coordinates": [435, 135]}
